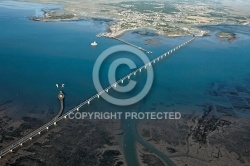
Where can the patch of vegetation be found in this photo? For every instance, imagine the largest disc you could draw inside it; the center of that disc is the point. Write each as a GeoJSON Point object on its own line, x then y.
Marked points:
{"type": "Point", "coordinates": [226, 35]}
{"type": "Point", "coordinates": [151, 159]}
{"type": "Point", "coordinates": [110, 157]}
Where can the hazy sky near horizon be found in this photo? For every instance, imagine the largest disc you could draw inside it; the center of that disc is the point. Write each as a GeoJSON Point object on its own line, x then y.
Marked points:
{"type": "Point", "coordinates": [238, 6]}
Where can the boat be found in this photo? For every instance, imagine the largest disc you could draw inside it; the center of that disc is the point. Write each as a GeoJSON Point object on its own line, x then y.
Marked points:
{"type": "Point", "coordinates": [94, 44]}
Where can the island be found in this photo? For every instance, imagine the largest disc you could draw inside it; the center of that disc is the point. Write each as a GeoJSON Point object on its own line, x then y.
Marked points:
{"type": "Point", "coordinates": [227, 36]}
{"type": "Point", "coordinates": [169, 18]}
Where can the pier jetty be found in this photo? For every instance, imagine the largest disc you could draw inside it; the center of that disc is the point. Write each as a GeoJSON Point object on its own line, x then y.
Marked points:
{"type": "Point", "coordinates": [140, 48]}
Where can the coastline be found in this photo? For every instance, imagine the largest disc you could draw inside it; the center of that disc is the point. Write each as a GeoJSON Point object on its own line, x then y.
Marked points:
{"type": "Point", "coordinates": [192, 151]}
{"type": "Point", "coordinates": [156, 145]}
{"type": "Point", "coordinates": [45, 17]}
{"type": "Point", "coordinates": [181, 22]}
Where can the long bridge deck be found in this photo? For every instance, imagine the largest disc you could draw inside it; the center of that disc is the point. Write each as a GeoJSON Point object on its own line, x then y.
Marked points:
{"type": "Point", "coordinates": [140, 48]}
{"type": "Point", "coordinates": [54, 121]}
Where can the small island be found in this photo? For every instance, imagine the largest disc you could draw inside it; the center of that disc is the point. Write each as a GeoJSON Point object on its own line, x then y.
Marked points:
{"type": "Point", "coordinates": [227, 35]}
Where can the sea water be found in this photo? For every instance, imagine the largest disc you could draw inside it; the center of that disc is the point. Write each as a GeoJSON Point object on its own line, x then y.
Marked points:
{"type": "Point", "coordinates": [35, 56]}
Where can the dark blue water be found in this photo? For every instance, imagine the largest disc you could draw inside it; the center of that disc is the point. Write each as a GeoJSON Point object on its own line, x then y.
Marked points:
{"type": "Point", "coordinates": [34, 56]}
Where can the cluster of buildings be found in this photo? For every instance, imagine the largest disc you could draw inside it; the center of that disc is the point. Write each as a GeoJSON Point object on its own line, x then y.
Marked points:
{"type": "Point", "coordinates": [170, 24]}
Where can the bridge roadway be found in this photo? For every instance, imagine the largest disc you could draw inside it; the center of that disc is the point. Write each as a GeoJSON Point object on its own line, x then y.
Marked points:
{"type": "Point", "coordinates": [54, 121]}
{"type": "Point", "coordinates": [140, 48]}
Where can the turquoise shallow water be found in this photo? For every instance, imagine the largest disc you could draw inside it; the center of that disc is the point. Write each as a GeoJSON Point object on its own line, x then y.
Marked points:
{"type": "Point", "coordinates": [34, 56]}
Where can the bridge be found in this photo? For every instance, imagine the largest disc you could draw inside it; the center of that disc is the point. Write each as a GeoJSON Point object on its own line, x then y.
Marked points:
{"type": "Point", "coordinates": [140, 48]}
{"type": "Point", "coordinates": [58, 118]}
